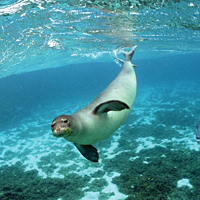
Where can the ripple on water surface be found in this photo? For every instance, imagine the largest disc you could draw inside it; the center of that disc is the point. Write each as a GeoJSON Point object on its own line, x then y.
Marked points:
{"type": "Point", "coordinates": [43, 34]}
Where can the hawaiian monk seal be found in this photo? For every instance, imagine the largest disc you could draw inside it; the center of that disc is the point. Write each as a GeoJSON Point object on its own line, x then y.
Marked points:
{"type": "Point", "coordinates": [103, 116]}
{"type": "Point", "coordinates": [198, 132]}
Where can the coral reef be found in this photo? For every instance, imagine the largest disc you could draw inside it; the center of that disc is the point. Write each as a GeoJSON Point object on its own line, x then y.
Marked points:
{"type": "Point", "coordinates": [157, 177]}
{"type": "Point", "coordinates": [17, 185]}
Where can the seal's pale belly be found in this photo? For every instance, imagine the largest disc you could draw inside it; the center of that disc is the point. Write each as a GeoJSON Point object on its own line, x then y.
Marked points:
{"type": "Point", "coordinates": [104, 127]}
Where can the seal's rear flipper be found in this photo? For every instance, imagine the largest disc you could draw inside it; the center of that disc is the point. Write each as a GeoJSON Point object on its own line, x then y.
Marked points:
{"type": "Point", "coordinates": [113, 105]}
{"type": "Point", "coordinates": [128, 55]}
{"type": "Point", "coordinates": [88, 151]}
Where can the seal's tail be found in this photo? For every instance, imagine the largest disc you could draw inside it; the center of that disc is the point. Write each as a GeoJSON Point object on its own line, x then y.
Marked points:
{"type": "Point", "coordinates": [128, 55]}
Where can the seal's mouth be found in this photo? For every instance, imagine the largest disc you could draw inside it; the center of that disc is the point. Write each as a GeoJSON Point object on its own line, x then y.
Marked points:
{"type": "Point", "coordinates": [61, 132]}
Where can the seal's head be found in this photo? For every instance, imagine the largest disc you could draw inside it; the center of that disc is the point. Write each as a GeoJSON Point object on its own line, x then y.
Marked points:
{"type": "Point", "coordinates": [61, 126]}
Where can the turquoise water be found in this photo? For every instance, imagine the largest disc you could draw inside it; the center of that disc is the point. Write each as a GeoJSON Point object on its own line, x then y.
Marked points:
{"type": "Point", "coordinates": [57, 56]}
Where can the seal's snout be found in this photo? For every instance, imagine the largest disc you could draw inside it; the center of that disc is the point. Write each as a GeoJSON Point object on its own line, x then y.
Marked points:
{"type": "Point", "coordinates": [58, 133]}
{"type": "Point", "coordinates": [61, 131]}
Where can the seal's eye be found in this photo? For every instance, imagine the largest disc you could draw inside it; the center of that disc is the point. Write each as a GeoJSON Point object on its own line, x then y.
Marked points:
{"type": "Point", "coordinates": [65, 121]}
{"type": "Point", "coordinates": [52, 125]}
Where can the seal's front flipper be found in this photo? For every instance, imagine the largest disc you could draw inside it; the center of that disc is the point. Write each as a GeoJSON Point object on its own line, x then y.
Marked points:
{"type": "Point", "coordinates": [113, 105]}
{"type": "Point", "coordinates": [88, 151]}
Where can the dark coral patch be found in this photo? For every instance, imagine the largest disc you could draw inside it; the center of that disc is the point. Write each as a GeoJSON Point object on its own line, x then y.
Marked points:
{"type": "Point", "coordinates": [17, 185]}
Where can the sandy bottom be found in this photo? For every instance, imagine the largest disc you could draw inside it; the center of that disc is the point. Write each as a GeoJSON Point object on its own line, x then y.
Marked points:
{"type": "Point", "coordinates": [154, 155]}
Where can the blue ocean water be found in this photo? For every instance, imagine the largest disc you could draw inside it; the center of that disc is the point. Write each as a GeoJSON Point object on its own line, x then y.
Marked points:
{"type": "Point", "coordinates": [57, 56]}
